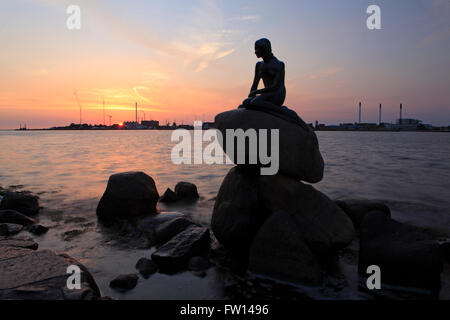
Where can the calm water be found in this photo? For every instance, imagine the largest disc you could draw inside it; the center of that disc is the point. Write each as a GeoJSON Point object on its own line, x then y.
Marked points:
{"type": "Point", "coordinates": [69, 171]}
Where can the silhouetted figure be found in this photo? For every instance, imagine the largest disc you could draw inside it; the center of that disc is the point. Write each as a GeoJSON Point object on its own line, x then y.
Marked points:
{"type": "Point", "coordinates": [271, 98]}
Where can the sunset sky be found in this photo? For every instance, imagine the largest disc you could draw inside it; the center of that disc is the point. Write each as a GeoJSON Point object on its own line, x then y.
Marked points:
{"type": "Point", "coordinates": [189, 60]}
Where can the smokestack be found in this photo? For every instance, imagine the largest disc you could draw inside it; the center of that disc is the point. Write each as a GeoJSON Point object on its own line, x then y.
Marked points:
{"type": "Point", "coordinates": [401, 107]}
{"type": "Point", "coordinates": [379, 116]}
{"type": "Point", "coordinates": [136, 114]}
{"type": "Point", "coordinates": [359, 112]}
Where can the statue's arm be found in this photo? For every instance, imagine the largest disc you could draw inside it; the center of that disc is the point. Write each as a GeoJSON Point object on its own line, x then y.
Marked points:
{"type": "Point", "coordinates": [256, 80]}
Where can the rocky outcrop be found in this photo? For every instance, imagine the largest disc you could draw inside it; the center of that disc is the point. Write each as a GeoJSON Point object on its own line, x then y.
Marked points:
{"type": "Point", "coordinates": [169, 196]}
{"type": "Point", "coordinates": [406, 257]}
{"type": "Point", "coordinates": [299, 154]}
{"type": "Point", "coordinates": [324, 226]}
{"type": "Point", "coordinates": [280, 251]}
{"type": "Point", "coordinates": [236, 216]}
{"type": "Point", "coordinates": [128, 195]}
{"type": "Point", "coordinates": [175, 254]}
{"type": "Point", "coordinates": [167, 230]}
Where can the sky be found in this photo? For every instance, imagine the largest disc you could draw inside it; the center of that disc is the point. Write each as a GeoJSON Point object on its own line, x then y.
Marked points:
{"type": "Point", "coordinates": [189, 60]}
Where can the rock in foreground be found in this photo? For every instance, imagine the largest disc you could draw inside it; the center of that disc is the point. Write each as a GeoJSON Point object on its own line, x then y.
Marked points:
{"type": "Point", "coordinates": [124, 281]}
{"type": "Point", "coordinates": [299, 154]}
{"type": "Point", "coordinates": [12, 216]}
{"type": "Point", "coordinates": [41, 275]}
{"type": "Point", "coordinates": [406, 257]}
{"type": "Point", "coordinates": [128, 195]}
{"type": "Point", "coordinates": [22, 202]}
{"type": "Point", "coordinates": [186, 191]}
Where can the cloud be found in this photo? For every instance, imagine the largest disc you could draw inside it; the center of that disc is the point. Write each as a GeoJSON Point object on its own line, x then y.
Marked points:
{"type": "Point", "coordinates": [245, 18]}
{"type": "Point", "coordinates": [325, 73]}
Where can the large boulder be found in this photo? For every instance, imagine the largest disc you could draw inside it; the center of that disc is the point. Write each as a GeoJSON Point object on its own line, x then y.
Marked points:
{"type": "Point", "coordinates": [323, 225]}
{"type": "Point", "coordinates": [406, 257]}
{"type": "Point", "coordinates": [280, 251]}
{"type": "Point", "coordinates": [299, 155]}
{"type": "Point", "coordinates": [236, 217]}
{"type": "Point", "coordinates": [356, 209]}
{"type": "Point", "coordinates": [41, 275]}
{"type": "Point", "coordinates": [174, 255]}
{"type": "Point", "coordinates": [128, 195]}
{"type": "Point", "coordinates": [23, 202]}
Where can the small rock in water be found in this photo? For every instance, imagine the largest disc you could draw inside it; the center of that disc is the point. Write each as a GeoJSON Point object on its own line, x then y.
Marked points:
{"type": "Point", "coordinates": [186, 191]}
{"type": "Point", "coordinates": [124, 281]}
{"type": "Point", "coordinates": [167, 230]}
{"type": "Point", "coordinates": [198, 264]}
{"type": "Point", "coordinates": [26, 243]}
{"type": "Point", "coordinates": [356, 209]}
{"type": "Point", "coordinates": [69, 235]}
{"type": "Point", "coordinates": [146, 267]}
{"type": "Point", "coordinates": [9, 229]}
{"type": "Point", "coordinates": [12, 216]}
{"type": "Point", "coordinates": [37, 229]}
{"type": "Point", "coordinates": [174, 254]}
{"type": "Point", "coordinates": [22, 202]}
{"type": "Point", "coordinates": [168, 197]}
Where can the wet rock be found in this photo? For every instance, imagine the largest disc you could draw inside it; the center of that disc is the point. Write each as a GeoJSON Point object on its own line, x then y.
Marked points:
{"type": "Point", "coordinates": [70, 235]}
{"type": "Point", "coordinates": [167, 230]}
{"type": "Point", "coordinates": [198, 264]}
{"type": "Point", "coordinates": [128, 195]}
{"type": "Point", "coordinates": [12, 216]}
{"type": "Point", "coordinates": [22, 202]}
{"type": "Point", "coordinates": [9, 229]}
{"type": "Point", "coordinates": [175, 254]}
{"type": "Point", "coordinates": [356, 209]}
{"type": "Point", "coordinates": [42, 275]}
{"type": "Point", "coordinates": [236, 216]}
{"type": "Point", "coordinates": [169, 196]}
{"type": "Point", "coordinates": [325, 228]}
{"type": "Point", "coordinates": [124, 281]}
{"type": "Point", "coordinates": [19, 243]}
{"type": "Point", "coordinates": [146, 267]}
{"type": "Point", "coordinates": [186, 191]}
{"type": "Point", "coordinates": [406, 257]}
{"type": "Point", "coordinates": [149, 224]}
{"type": "Point", "coordinates": [299, 155]}
{"type": "Point", "coordinates": [279, 250]}
{"type": "Point", "coordinates": [37, 229]}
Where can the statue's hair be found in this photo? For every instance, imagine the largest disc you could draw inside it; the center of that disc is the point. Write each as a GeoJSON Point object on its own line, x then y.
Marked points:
{"type": "Point", "coordinates": [264, 43]}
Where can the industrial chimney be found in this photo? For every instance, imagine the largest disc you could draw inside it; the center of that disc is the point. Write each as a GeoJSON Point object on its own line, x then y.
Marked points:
{"type": "Point", "coordinates": [359, 112]}
{"type": "Point", "coordinates": [401, 107]}
{"type": "Point", "coordinates": [379, 116]}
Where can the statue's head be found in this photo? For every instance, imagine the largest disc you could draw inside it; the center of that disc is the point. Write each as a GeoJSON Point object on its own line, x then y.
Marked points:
{"type": "Point", "coordinates": [263, 47]}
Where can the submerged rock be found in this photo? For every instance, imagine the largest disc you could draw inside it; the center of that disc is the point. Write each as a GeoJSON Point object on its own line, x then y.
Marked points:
{"type": "Point", "coordinates": [22, 202]}
{"type": "Point", "coordinates": [356, 209]}
{"type": "Point", "coordinates": [146, 267]}
{"type": "Point", "coordinates": [299, 155]}
{"type": "Point", "coordinates": [124, 281]}
{"type": "Point", "coordinates": [175, 254]}
{"type": "Point", "coordinates": [9, 229]}
{"type": "Point", "coordinates": [186, 191]}
{"type": "Point", "coordinates": [279, 250]}
{"type": "Point", "coordinates": [236, 216]}
{"type": "Point", "coordinates": [12, 216]}
{"type": "Point", "coordinates": [37, 229]}
{"type": "Point", "coordinates": [168, 197]}
{"type": "Point", "coordinates": [128, 195]}
{"type": "Point", "coordinates": [406, 257]}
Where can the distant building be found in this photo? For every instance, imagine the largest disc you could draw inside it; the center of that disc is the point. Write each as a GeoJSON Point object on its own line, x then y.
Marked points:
{"type": "Point", "coordinates": [410, 125]}
{"type": "Point", "coordinates": [150, 124]}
